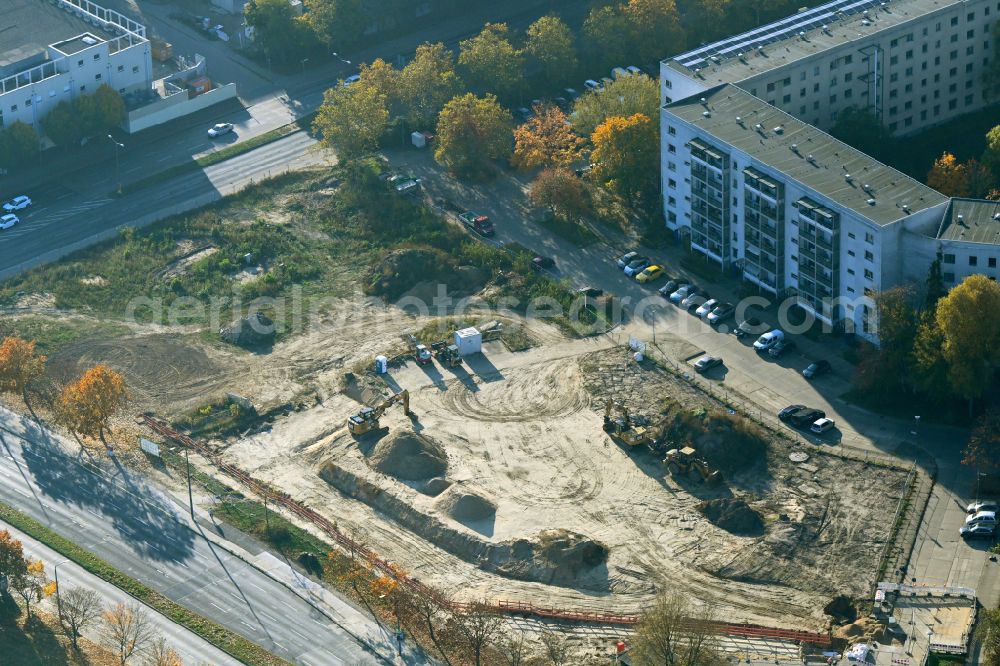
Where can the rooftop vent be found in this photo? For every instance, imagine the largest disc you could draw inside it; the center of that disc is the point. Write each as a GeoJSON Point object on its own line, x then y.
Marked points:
{"type": "Point", "coordinates": [866, 187]}
{"type": "Point", "coordinates": [906, 208]}
{"type": "Point", "coordinates": [802, 35]}
{"type": "Point", "coordinates": [848, 177]}
{"type": "Point", "coordinates": [996, 216]}
{"type": "Point", "coordinates": [810, 159]}
{"type": "Point", "coordinates": [871, 202]}
{"type": "Point", "coordinates": [759, 127]}
{"type": "Point", "coordinates": [88, 40]}
{"type": "Point", "coordinates": [795, 148]}
{"type": "Point", "coordinates": [703, 100]}
{"type": "Point", "coordinates": [707, 114]}
{"type": "Point", "coordinates": [866, 22]}
{"type": "Point", "coordinates": [961, 219]}
{"type": "Point", "coordinates": [739, 119]}
{"type": "Point", "coordinates": [779, 130]}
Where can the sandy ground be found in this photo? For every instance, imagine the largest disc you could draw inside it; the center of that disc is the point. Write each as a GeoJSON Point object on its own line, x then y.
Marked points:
{"type": "Point", "coordinates": [522, 432]}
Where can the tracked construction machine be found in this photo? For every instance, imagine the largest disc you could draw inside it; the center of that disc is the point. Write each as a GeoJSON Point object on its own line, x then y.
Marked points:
{"type": "Point", "coordinates": [368, 418]}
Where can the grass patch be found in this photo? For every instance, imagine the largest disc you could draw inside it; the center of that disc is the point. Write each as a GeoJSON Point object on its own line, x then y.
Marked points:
{"type": "Point", "coordinates": [218, 419]}
{"type": "Point", "coordinates": [237, 646]}
{"type": "Point", "coordinates": [55, 334]}
{"type": "Point", "coordinates": [945, 660]}
{"type": "Point", "coordinates": [574, 232]}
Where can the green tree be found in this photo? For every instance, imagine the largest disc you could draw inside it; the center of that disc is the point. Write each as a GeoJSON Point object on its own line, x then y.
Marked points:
{"type": "Point", "coordinates": [860, 128]}
{"type": "Point", "coordinates": [626, 154]}
{"type": "Point", "coordinates": [384, 78]}
{"type": "Point", "coordinates": [560, 191]}
{"type": "Point", "coordinates": [655, 27]}
{"type": "Point", "coordinates": [991, 157]}
{"type": "Point", "coordinates": [278, 32]}
{"type": "Point", "coordinates": [20, 143]}
{"type": "Point", "coordinates": [934, 286]}
{"type": "Point", "coordinates": [606, 36]}
{"type": "Point", "coordinates": [988, 636]}
{"type": "Point", "coordinates": [983, 448]}
{"type": "Point", "coordinates": [427, 83]}
{"type": "Point", "coordinates": [885, 371]}
{"type": "Point", "coordinates": [339, 24]}
{"type": "Point", "coordinates": [351, 119]}
{"type": "Point", "coordinates": [626, 96]}
{"type": "Point", "coordinates": [546, 140]}
{"type": "Point", "coordinates": [471, 131]}
{"type": "Point", "coordinates": [979, 178]}
{"type": "Point", "coordinates": [490, 62]}
{"type": "Point", "coordinates": [550, 43]}
{"type": "Point", "coordinates": [63, 126]}
{"type": "Point", "coordinates": [705, 18]}
{"type": "Point", "coordinates": [969, 318]}
{"type": "Point", "coordinates": [108, 108]}
{"type": "Point", "coordinates": [930, 370]}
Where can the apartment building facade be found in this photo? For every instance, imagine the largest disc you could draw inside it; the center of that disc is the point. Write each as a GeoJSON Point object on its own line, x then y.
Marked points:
{"type": "Point", "coordinates": [913, 63]}
{"type": "Point", "coordinates": [74, 47]}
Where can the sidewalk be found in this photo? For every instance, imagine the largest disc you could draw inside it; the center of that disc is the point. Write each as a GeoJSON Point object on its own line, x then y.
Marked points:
{"type": "Point", "coordinates": [189, 646]}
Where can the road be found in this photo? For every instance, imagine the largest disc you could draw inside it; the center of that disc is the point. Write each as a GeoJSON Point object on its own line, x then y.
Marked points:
{"type": "Point", "coordinates": [140, 530]}
{"type": "Point", "coordinates": [190, 647]}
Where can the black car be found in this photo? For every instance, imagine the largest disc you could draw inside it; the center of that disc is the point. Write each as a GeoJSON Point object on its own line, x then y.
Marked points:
{"type": "Point", "coordinates": [780, 347]}
{"type": "Point", "coordinates": [540, 263]}
{"type": "Point", "coordinates": [750, 326]}
{"type": "Point", "coordinates": [670, 287]}
{"type": "Point", "coordinates": [806, 417]}
{"type": "Point", "coordinates": [787, 413]}
{"type": "Point", "coordinates": [816, 368]}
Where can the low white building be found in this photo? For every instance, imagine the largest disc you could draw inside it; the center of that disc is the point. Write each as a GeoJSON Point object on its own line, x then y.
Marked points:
{"type": "Point", "coordinates": [55, 50]}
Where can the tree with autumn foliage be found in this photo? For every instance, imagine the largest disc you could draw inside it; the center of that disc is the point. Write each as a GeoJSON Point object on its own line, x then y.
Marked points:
{"type": "Point", "coordinates": [550, 43]}
{"type": "Point", "coordinates": [562, 192]}
{"type": "Point", "coordinates": [625, 96]}
{"type": "Point", "coordinates": [949, 177]}
{"type": "Point", "coordinates": [87, 405]}
{"type": "Point", "coordinates": [472, 131]}
{"type": "Point", "coordinates": [626, 154]}
{"type": "Point", "coordinates": [12, 563]}
{"type": "Point", "coordinates": [127, 631]}
{"type": "Point", "coordinates": [32, 584]}
{"type": "Point", "coordinates": [161, 654]}
{"type": "Point", "coordinates": [546, 140]}
{"type": "Point", "coordinates": [969, 320]}
{"type": "Point", "coordinates": [352, 119]}
{"type": "Point", "coordinates": [19, 367]}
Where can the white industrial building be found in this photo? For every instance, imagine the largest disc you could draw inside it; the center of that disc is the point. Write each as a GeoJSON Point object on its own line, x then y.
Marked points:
{"type": "Point", "coordinates": [787, 207]}
{"type": "Point", "coordinates": [54, 50]}
{"type": "Point", "coordinates": [913, 63]}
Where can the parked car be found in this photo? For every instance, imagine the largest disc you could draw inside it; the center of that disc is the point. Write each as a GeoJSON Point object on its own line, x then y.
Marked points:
{"type": "Point", "coordinates": [822, 425]}
{"type": "Point", "coordinates": [524, 113]}
{"type": "Point", "coordinates": [787, 413]}
{"type": "Point", "coordinates": [670, 287]}
{"type": "Point", "coordinates": [638, 264]}
{"type": "Point", "coordinates": [8, 220]}
{"type": "Point", "coordinates": [748, 326]}
{"type": "Point", "coordinates": [592, 85]}
{"type": "Point", "coordinates": [633, 70]}
{"type": "Point", "coordinates": [982, 518]}
{"type": "Point", "coordinates": [17, 203]}
{"type": "Point", "coordinates": [590, 292]}
{"type": "Point", "coordinates": [768, 340]}
{"type": "Point", "coordinates": [352, 79]}
{"type": "Point", "coordinates": [543, 263]}
{"type": "Point", "coordinates": [627, 258]}
{"type": "Point", "coordinates": [650, 274]}
{"type": "Point", "coordinates": [706, 363]}
{"type": "Point", "coordinates": [619, 72]}
{"type": "Point", "coordinates": [693, 301]}
{"type": "Point", "coordinates": [562, 103]}
{"type": "Point", "coordinates": [683, 292]}
{"type": "Point", "coordinates": [606, 81]}
{"type": "Point", "coordinates": [780, 347]}
{"type": "Point", "coordinates": [571, 93]}
{"type": "Point", "coordinates": [706, 308]}
{"type": "Point", "coordinates": [806, 417]}
{"type": "Point", "coordinates": [976, 531]}
{"type": "Point", "coordinates": [721, 312]}
{"type": "Point", "coordinates": [816, 368]}
{"type": "Point", "coordinates": [985, 505]}
{"type": "Point", "coordinates": [477, 222]}
{"type": "Point", "coordinates": [219, 129]}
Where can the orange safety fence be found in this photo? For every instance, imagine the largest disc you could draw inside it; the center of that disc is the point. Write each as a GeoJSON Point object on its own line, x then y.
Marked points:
{"type": "Point", "coordinates": [387, 568]}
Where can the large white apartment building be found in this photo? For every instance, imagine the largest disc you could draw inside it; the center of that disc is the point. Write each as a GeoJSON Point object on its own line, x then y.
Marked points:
{"type": "Point", "coordinates": [914, 63]}
{"type": "Point", "coordinates": [54, 50]}
{"type": "Point", "coordinates": [787, 207]}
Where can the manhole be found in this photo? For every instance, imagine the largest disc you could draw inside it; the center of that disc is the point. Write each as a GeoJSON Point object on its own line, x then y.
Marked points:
{"type": "Point", "coordinates": [798, 456]}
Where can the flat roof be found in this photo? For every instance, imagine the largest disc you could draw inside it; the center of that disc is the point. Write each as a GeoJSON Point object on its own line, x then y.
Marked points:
{"type": "Point", "coordinates": [806, 154]}
{"type": "Point", "coordinates": [77, 44]}
{"type": "Point", "coordinates": [28, 27]}
{"type": "Point", "coordinates": [780, 43]}
{"type": "Point", "coordinates": [979, 223]}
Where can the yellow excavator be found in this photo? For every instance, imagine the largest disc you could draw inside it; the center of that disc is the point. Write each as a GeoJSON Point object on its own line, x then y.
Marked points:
{"type": "Point", "coordinates": [368, 418]}
{"type": "Point", "coordinates": [687, 461]}
{"type": "Point", "coordinates": [622, 428]}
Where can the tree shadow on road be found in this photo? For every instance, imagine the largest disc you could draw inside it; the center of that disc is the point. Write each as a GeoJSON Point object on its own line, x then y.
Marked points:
{"type": "Point", "coordinates": [139, 513]}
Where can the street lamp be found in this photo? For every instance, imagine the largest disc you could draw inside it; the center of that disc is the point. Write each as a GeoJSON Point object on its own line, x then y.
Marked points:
{"type": "Point", "coordinates": [187, 460]}
{"type": "Point", "coordinates": [117, 173]}
{"type": "Point", "coordinates": [304, 61]}
{"type": "Point", "coordinates": [55, 573]}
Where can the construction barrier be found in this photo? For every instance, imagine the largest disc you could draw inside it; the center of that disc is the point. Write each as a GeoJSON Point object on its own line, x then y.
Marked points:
{"type": "Point", "coordinates": [385, 567]}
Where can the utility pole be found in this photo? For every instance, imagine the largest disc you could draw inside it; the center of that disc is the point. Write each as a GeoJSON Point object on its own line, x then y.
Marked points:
{"type": "Point", "coordinates": [118, 178]}
{"type": "Point", "coordinates": [187, 460]}
{"type": "Point", "coordinates": [55, 573]}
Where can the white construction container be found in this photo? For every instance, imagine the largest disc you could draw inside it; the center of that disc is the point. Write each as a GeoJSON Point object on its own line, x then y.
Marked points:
{"type": "Point", "coordinates": [469, 341]}
{"type": "Point", "coordinates": [418, 139]}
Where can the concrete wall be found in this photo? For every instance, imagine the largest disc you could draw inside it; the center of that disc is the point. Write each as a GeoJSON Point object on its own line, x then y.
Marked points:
{"type": "Point", "coordinates": [157, 114]}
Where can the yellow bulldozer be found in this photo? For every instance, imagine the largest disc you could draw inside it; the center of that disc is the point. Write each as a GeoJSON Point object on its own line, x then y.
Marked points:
{"type": "Point", "coordinates": [686, 461]}
{"type": "Point", "coordinates": [623, 428]}
{"type": "Point", "coordinates": [368, 418]}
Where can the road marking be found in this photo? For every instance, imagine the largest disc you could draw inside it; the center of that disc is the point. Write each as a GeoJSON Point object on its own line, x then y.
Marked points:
{"type": "Point", "coordinates": [253, 584]}
{"type": "Point", "coordinates": [224, 610]}
{"type": "Point", "coordinates": [251, 627]}
{"type": "Point", "coordinates": [300, 635]}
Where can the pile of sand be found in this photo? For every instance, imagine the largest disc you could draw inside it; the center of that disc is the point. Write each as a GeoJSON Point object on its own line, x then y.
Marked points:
{"type": "Point", "coordinates": [466, 507]}
{"type": "Point", "coordinates": [569, 550]}
{"type": "Point", "coordinates": [733, 515]}
{"type": "Point", "coordinates": [409, 456]}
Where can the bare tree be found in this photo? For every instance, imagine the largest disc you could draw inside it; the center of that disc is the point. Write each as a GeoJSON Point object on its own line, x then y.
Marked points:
{"type": "Point", "coordinates": [478, 625]}
{"type": "Point", "coordinates": [80, 607]}
{"type": "Point", "coordinates": [556, 649]}
{"type": "Point", "coordinates": [161, 654]}
{"type": "Point", "coordinates": [515, 650]}
{"type": "Point", "coordinates": [127, 631]}
{"type": "Point", "coordinates": [432, 615]}
{"type": "Point", "coordinates": [670, 634]}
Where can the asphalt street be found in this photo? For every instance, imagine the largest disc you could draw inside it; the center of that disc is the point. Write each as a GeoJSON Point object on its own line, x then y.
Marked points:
{"type": "Point", "coordinates": [140, 530]}
{"type": "Point", "coordinates": [189, 646]}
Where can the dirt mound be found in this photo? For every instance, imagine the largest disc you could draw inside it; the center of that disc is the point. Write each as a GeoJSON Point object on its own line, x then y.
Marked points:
{"type": "Point", "coordinates": [400, 270]}
{"type": "Point", "coordinates": [570, 550]}
{"type": "Point", "coordinates": [409, 456]}
{"type": "Point", "coordinates": [841, 609]}
{"type": "Point", "coordinates": [252, 331]}
{"type": "Point", "coordinates": [734, 516]}
{"type": "Point", "coordinates": [466, 507]}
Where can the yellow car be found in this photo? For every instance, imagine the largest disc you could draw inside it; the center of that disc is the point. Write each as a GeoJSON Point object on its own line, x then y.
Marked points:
{"type": "Point", "coordinates": [650, 274]}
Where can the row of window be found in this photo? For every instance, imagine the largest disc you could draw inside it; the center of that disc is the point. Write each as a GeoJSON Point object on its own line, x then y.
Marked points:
{"type": "Point", "coordinates": [991, 262]}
